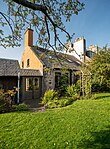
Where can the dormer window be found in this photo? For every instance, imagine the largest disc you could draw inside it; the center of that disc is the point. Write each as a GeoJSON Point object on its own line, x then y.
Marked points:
{"type": "Point", "coordinates": [28, 62]}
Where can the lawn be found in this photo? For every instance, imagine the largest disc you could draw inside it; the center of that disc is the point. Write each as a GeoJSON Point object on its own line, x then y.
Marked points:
{"type": "Point", "coordinates": [83, 125]}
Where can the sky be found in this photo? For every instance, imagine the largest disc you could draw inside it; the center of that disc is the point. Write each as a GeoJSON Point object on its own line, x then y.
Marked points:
{"type": "Point", "coordinates": [93, 23]}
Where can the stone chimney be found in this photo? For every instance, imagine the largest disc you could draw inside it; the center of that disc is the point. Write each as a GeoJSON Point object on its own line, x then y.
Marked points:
{"type": "Point", "coordinates": [28, 41]}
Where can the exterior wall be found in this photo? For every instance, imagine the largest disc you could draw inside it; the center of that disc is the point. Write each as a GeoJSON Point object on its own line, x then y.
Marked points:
{"type": "Point", "coordinates": [34, 94]}
{"type": "Point", "coordinates": [33, 60]}
{"type": "Point", "coordinates": [93, 48]}
{"type": "Point", "coordinates": [49, 78]}
{"type": "Point", "coordinates": [79, 46]}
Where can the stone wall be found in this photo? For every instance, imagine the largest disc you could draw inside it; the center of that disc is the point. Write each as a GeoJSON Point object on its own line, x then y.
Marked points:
{"type": "Point", "coordinates": [49, 78]}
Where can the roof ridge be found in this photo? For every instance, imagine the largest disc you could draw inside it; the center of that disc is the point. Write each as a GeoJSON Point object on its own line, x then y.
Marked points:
{"type": "Point", "coordinates": [8, 59]}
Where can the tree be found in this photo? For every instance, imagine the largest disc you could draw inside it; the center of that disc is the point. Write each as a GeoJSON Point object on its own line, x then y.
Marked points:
{"type": "Point", "coordinates": [45, 16]}
{"type": "Point", "coordinates": [100, 70]}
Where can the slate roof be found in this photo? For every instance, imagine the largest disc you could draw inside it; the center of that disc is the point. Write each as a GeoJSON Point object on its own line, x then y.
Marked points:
{"type": "Point", "coordinates": [10, 67]}
{"type": "Point", "coordinates": [50, 59]}
{"type": "Point", "coordinates": [30, 72]}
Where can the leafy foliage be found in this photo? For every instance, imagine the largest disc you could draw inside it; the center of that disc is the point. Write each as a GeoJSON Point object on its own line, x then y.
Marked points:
{"type": "Point", "coordinates": [21, 107]}
{"type": "Point", "coordinates": [73, 90]}
{"type": "Point", "coordinates": [45, 16]}
{"type": "Point", "coordinates": [5, 104]}
{"type": "Point", "coordinates": [6, 100]}
{"type": "Point", "coordinates": [100, 69]}
{"type": "Point", "coordinates": [49, 95]}
{"type": "Point", "coordinates": [62, 102]}
{"type": "Point", "coordinates": [52, 100]}
{"type": "Point", "coordinates": [63, 83]}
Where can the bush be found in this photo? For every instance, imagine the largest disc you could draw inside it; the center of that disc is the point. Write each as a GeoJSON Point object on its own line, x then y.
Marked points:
{"type": "Point", "coordinates": [51, 99]}
{"type": "Point", "coordinates": [49, 96]}
{"type": "Point", "coordinates": [73, 90]}
{"type": "Point", "coordinates": [5, 104]}
{"type": "Point", "coordinates": [63, 85]}
{"type": "Point", "coordinates": [53, 104]}
{"type": "Point", "coordinates": [64, 101]}
{"type": "Point", "coordinates": [21, 107]}
{"type": "Point", "coordinates": [100, 88]}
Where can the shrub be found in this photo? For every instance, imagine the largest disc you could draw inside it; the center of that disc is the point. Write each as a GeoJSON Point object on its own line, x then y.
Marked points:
{"type": "Point", "coordinates": [49, 95]}
{"type": "Point", "coordinates": [6, 100]}
{"type": "Point", "coordinates": [100, 88]}
{"type": "Point", "coordinates": [21, 107]}
{"type": "Point", "coordinates": [5, 104]}
{"type": "Point", "coordinates": [70, 90]}
{"type": "Point", "coordinates": [63, 85]}
{"type": "Point", "coordinates": [73, 90]}
{"type": "Point", "coordinates": [64, 101]}
{"type": "Point", "coordinates": [51, 99]}
{"type": "Point", "coordinates": [53, 104]}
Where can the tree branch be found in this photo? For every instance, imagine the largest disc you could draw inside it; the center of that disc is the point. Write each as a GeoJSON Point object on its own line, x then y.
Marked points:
{"type": "Point", "coordinates": [30, 5]}
{"type": "Point", "coordinates": [3, 15]}
{"type": "Point", "coordinates": [41, 8]}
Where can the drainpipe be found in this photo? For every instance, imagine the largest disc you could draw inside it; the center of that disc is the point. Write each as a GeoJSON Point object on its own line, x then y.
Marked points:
{"type": "Point", "coordinates": [18, 87]}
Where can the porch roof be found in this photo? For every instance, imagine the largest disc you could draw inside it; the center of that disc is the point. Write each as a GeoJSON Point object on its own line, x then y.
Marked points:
{"type": "Point", "coordinates": [30, 72]}
{"type": "Point", "coordinates": [10, 67]}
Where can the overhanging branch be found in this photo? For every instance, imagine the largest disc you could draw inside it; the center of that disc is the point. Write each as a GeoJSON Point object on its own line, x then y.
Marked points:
{"type": "Point", "coordinates": [41, 8]}
{"type": "Point", "coordinates": [30, 5]}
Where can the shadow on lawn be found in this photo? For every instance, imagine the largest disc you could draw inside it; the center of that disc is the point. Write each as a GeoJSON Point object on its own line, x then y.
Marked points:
{"type": "Point", "coordinates": [102, 97]}
{"type": "Point", "coordinates": [98, 140]}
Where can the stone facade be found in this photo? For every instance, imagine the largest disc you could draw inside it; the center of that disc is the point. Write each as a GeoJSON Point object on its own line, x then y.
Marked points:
{"type": "Point", "coordinates": [49, 78]}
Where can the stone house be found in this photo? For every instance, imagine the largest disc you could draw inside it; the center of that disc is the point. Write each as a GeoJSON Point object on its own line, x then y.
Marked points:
{"type": "Point", "coordinates": [39, 70]}
{"type": "Point", "coordinates": [47, 62]}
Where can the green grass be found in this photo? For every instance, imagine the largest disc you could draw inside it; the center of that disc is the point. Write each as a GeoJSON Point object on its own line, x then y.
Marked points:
{"type": "Point", "coordinates": [83, 125]}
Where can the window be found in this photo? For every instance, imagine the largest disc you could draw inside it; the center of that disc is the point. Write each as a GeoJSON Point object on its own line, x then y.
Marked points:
{"type": "Point", "coordinates": [29, 84]}
{"type": "Point", "coordinates": [22, 64]}
{"type": "Point", "coordinates": [36, 83]}
{"type": "Point", "coordinates": [32, 84]}
{"type": "Point", "coordinates": [57, 79]}
{"type": "Point", "coordinates": [28, 62]}
{"type": "Point", "coordinates": [67, 78]}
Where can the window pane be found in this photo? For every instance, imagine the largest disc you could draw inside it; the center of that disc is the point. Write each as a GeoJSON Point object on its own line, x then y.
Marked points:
{"type": "Point", "coordinates": [57, 79]}
{"type": "Point", "coordinates": [28, 84]}
{"type": "Point", "coordinates": [36, 83]}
